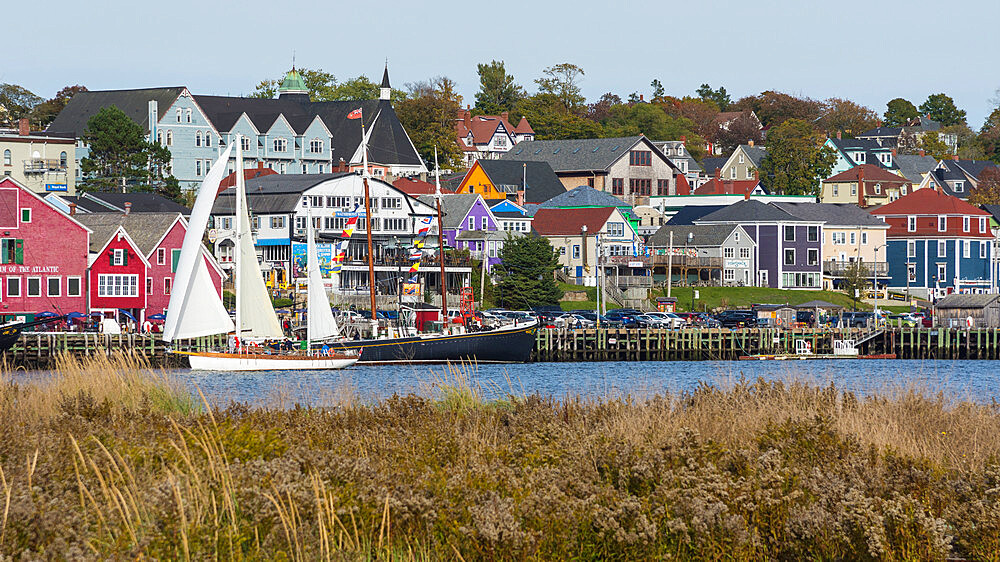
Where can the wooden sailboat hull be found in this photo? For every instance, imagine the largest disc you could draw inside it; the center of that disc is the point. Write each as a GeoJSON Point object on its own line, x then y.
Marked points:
{"type": "Point", "coordinates": [9, 336]}
{"type": "Point", "coordinates": [506, 345]}
{"type": "Point", "coordinates": [212, 361]}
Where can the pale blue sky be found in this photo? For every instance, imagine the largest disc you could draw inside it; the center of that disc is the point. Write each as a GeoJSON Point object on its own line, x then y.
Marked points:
{"type": "Point", "coordinates": [869, 51]}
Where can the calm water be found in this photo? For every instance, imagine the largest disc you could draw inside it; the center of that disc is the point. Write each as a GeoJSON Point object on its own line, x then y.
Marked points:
{"type": "Point", "coordinates": [974, 380]}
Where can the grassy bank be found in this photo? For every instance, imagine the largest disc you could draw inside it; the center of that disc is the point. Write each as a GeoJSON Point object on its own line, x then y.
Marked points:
{"type": "Point", "coordinates": [125, 465]}
{"type": "Point", "coordinates": [710, 298]}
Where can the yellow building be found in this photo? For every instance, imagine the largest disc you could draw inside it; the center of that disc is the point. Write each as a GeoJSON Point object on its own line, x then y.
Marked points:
{"type": "Point", "coordinates": [880, 186]}
{"type": "Point", "coordinates": [40, 161]}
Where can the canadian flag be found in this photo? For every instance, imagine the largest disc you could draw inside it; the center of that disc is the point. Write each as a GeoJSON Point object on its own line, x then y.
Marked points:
{"type": "Point", "coordinates": [356, 114]}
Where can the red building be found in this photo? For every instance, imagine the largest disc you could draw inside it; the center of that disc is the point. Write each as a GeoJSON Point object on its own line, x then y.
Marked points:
{"type": "Point", "coordinates": [133, 260]}
{"type": "Point", "coordinates": [43, 255]}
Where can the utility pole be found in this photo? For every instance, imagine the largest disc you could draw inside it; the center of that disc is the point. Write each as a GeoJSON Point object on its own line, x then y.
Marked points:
{"type": "Point", "coordinates": [670, 264]}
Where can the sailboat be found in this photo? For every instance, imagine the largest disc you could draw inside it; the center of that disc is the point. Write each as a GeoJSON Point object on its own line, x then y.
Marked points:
{"type": "Point", "coordinates": [506, 344]}
{"type": "Point", "coordinates": [196, 309]}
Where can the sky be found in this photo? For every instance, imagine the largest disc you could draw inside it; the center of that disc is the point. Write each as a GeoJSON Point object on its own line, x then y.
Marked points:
{"type": "Point", "coordinates": [869, 52]}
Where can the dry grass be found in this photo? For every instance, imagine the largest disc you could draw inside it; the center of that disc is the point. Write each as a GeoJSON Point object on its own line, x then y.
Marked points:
{"type": "Point", "coordinates": [99, 462]}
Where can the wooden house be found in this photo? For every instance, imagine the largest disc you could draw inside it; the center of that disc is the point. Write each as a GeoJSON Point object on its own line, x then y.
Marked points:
{"type": "Point", "coordinates": [968, 311]}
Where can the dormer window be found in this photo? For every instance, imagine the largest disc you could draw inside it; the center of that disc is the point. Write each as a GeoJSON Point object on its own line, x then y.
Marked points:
{"type": "Point", "coordinates": [878, 189]}
{"type": "Point", "coordinates": [959, 186]}
{"type": "Point", "coordinates": [859, 157]}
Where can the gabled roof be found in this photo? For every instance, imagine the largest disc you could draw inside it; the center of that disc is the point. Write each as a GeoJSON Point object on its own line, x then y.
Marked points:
{"type": "Point", "coordinates": [83, 204]}
{"type": "Point", "coordinates": [871, 173]}
{"type": "Point", "coordinates": [710, 165]}
{"type": "Point", "coordinates": [584, 196]}
{"type": "Point", "coordinates": [556, 222]}
{"type": "Point", "coordinates": [134, 103]}
{"type": "Point", "coordinates": [142, 202]}
{"type": "Point", "coordinates": [691, 213]}
{"type": "Point", "coordinates": [754, 153]}
{"type": "Point", "coordinates": [871, 149]}
{"type": "Point", "coordinates": [523, 128]}
{"type": "Point", "coordinates": [702, 234]}
{"type": "Point", "coordinates": [274, 194]}
{"type": "Point", "coordinates": [454, 207]}
{"type": "Point", "coordinates": [928, 202]}
{"type": "Point", "coordinates": [248, 174]}
{"type": "Point", "coordinates": [540, 182]}
{"type": "Point", "coordinates": [416, 187]}
{"type": "Point", "coordinates": [914, 166]}
{"type": "Point", "coordinates": [715, 186]}
{"type": "Point", "coordinates": [144, 229]}
{"type": "Point", "coordinates": [579, 155]}
{"type": "Point", "coordinates": [882, 132]}
{"type": "Point", "coordinates": [833, 214]}
{"type": "Point", "coordinates": [482, 127]}
{"type": "Point", "coordinates": [967, 300]}
{"type": "Point", "coordinates": [750, 211]}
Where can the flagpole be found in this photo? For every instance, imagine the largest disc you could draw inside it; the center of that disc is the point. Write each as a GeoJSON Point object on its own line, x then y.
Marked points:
{"type": "Point", "coordinates": [368, 228]}
{"type": "Point", "coordinates": [444, 287]}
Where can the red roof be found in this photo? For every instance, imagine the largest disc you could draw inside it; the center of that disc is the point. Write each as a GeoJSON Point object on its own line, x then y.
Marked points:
{"type": "Point", "coordinates": [484, 126]}
{"type": "Point", "coordinates": [871, 173]}
{"type": "Point", "coordinates": [248, 174]}
{"type": "Point", "coordinates": [415, 187]}
{"type": "Point", "coordinates": [929, 202]}
{"type": "Point", "coordinates": [683, 186]}
{"type": "Point", "coordinates": [555, 222]}
{"type": "Point", "coordinates": [727, 187]}
{"type": "Point", "coordinates": [524, 128]}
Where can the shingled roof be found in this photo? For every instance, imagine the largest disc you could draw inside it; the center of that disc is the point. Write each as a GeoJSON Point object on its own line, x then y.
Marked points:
{"type": "Point", "coordinates": [584, 196]}
{"type": "Point", "coordinates": [134, 103]}
{"type": "Point", "coordinates": [702, 234]}
{"type": "Point", "coordinates": [833, 214]}
{"type": "Point", "coordinates": [579, 155]}
{"type": "Point", "coordinates": [145, 229]}
{"type": "Point", "coordinates": [454, 207]}
{"type": "Point", "coordinates": [749, 211]}
{"type": "Point", "coordinates": [540, 182]}
{"type": "Point", "coordinates": [556, 222]}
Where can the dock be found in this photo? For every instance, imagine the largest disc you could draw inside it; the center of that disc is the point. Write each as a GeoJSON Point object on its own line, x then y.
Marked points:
{"type": "Point", "coordinates": [38, 350]}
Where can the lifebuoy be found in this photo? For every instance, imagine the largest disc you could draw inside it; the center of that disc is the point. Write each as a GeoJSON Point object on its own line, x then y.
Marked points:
{"type": "Point", "coordinates": [779, 321]}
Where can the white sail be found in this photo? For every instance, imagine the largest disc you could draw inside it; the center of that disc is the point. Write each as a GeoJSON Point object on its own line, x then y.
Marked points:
{"type": "Point", "coordinates": [255, 313]}
{"type": "Point", "coordinates": [321, 323]}
{"type": "Point", "coordinates": [195, 307]}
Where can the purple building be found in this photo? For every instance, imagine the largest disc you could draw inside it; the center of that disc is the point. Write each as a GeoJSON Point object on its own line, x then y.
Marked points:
{"type": "Point", "coordinates": [789, 251]}
{"type": "Point", "coordinates": [468, 224]}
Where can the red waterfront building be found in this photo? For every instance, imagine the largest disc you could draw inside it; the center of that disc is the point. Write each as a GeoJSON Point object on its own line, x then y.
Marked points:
{"type": "Point", "coordinates": [133, 260]}
{"type": "Point", "coordinates": [43, 255]}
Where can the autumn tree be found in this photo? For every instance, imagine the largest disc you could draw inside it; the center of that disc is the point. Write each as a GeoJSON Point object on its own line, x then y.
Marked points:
{"type": "Point", "coordinates": [741, 130]}
{"type": "Point", "coordinates": [323, 86]}
{"type": "Point", "coordinates": [498, 92]}
{"type": "Point", "coordinates": [600, 110]}
{"type": "Point", "coordinates": [839, 114]}
{"type": "Point", "coordinates": [989, 136]}
{"type": "Point", "coordinates": [702, 113]}
{"type": "Point", "coordinates": [796, 159]}
{"type": "Point", "coordinates": [562, 81]}
{"type": "Point", "coordinates": [934, 146]}
{"type": "Point", "coordinates": [898, 111]}
{"type": "Point", "coordinates": [773, 108]}
{"type": "Point", "coordinates": [718, 96]}
{"type": "Point", "coordinates": [987, 190]}
{"type": "Point", "coordinates": [942, 109]}
{"type": "Point", "coordinates": [16, 102]}
{"type": "Point", "coordinates": [428, 114]}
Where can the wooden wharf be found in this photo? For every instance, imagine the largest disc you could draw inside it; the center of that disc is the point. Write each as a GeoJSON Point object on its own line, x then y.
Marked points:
{"type": "Point", "coordinates": [38, 350]}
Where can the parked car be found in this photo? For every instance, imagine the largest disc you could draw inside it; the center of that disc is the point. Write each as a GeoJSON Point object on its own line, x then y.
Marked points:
{"type": "Point", "coordinates": [857, 319]}
{"type": "Point", "coordinates": [708, 321]}
{"type": "Point", "coordinates": [669, 319]}
{"type": "Point", "coordinates": [623, 319]}
{"type": "Point", "coordinates": [691, 318]}
{"type": "Point", "coordinates": [593, 317]}
{"type": "Point", "coordinates": [573, 321]}
{"type": "Point", "coordinates": [906, 319]}
{"type": "Point", "coordinates": [518, 316]}
{"type": "Point", "coordinates": [737, 318]}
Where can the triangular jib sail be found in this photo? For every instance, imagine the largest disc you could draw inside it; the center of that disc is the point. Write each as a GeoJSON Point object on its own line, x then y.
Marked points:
{"type": "Point", "coordinates": [320, 324]}
{"type": "Point", "coordinates": [195, 307]}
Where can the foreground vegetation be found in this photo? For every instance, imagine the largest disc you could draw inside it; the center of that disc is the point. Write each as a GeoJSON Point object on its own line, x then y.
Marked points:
{"type": "Point", "coordinates": [103, 460]}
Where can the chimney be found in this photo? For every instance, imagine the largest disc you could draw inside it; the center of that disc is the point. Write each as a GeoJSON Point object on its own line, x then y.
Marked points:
{"type": "Point", "coordinates": [922, 152]}
{"type": "Point", "coordinates": [718, 175]}
{"type": "Point", "coordinates": [128, 207]}
{"type": "Point", "coordinates": [341, 166]}
{"type": "Point", "coordinates": [750, 143]}
{"type": "Point", "coordinates": [684, 139]}
{"type": "Point", "coordinates": [640, 97]}
{"type": "Point", "coordinates": [861, 186]}
{"type": "Point", "coordinates": [467, 117]}
{"type": "Point", "coordinates": [260, 164]}
{"type": "Point", "coordinates": [504, 115]}
{"type": "Point", "coordinates": [838, 135]}
{"type": "Point", "coordinates": [22, 127]}
{"type": "Point", "coordinates": [954, 157]}
{"type": "Point", "coordinates": [520, 197]}
{"type": "Point", "coordinates": [878, 123]}
{"type": "Point", "coordinates": [72, 209]}
{"type": "Point", "coordinates": [894, 153]}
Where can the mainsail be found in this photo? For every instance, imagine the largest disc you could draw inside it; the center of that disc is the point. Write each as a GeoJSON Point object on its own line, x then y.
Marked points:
{"type": "Point", "coordinates": [254, 311]}
{"type": "Point", "coordinates": [320, 323]}
{"type": "Point", "coordinates": [195, 307]}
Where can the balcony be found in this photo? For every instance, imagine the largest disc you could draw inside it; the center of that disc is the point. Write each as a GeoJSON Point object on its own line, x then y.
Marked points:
{"type": "Point", "coordinates": [837, 268]}
{"type": "Point", "coordinates": [43, 165]}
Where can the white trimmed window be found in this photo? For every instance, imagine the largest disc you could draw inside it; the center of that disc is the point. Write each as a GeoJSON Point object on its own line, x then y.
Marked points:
{"type": "Point", "coordinates": [178, 115]}
{"type": "Point", "coordinates": [13, 286]}
{"type": "Point", "coordinates": [911, 224]}
{"type": "Point", "coordinates": [149, 285]}
{"type": "Point", "coordinates": [982, 249]}
{"type": "Point", "coordinates": [942, 223]}
{"type": "Point", "coordinates": [187, 115]}
{"type": "Point", "coordinates": [966, 248]}
{"type": "Point", "coordinates": [280, 145]}
{"type": "Point", "coordinates": [34, 286]}
{"type": "Point", "coordinates": [110, 285]}
{"type": "Point", "coordinates": [942, 248]}
{"type": "Point", "coordinates": [982, 224]}
{"type": "Point", "coordinates": [911, 248]}
{"type": "Point", "coordinates": [966, 224]}
{"type": "Point", "coordinates": [53, 286]}
{"type": "Point", "coordinates": [167, 281]}
{"type": "Point", "coordinates": [74, 288]}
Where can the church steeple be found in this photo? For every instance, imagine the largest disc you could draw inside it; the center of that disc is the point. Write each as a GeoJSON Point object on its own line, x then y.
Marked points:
{"type": "Point", "coordinates": [385, 91]}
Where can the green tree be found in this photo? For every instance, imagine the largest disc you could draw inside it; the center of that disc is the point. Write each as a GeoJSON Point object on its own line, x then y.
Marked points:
{"type": "Point", "coordinates": [323, 86]}
{"type": "Point", "coordinates": [16, 102]}
{"type": "Point", "coordinates": [526, 278]}
{"type": "Point", "coordinates": [45, 112]}
{"type": "Point", "coordinates": [796, 159]}
{"type": "Point", "coordinates": [719, 96]}
{"type": "Point", "coordinates": [854, 281]}
{"type": "Point", "coordinates": [561, 81]}
{"type": "Point", "coordinates": [428, 114]}
{"type": "Point", "coordinates": [120, 157]}
{"type": "Point", "coordinates": [498, 92]}
{"type": "Point", "coordinates": [658, 91]}
{"type": "Point", "coordinates": [933, 146]}
{"type": "Point", "coordinates": [898, 111]}
{"type": "Point", "coordinates": [942, 109]}
{"type": "Point", "coordinates": [989, 136]}
{"type": "Point", "coordinates": [551, 120]}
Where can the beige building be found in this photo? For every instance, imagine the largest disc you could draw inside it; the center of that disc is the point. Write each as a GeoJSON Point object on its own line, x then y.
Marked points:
{"type": "Point", "coordinates": [743, 162]}
{"type": "Point", "coordinates": [630, 168]}
{"type": "Point", "coordinates": [880, 186]}
{"type": "Point", "coordinates": [575, 235]}
{"type": "Point", "coordinates": [44, 163]}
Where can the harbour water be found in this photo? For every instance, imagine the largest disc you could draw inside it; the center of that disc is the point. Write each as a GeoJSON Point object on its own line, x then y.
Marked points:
{"type": "Point", "coordinates": [978, 381]}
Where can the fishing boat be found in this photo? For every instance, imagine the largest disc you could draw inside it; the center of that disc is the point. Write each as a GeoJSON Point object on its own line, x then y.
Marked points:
{"type": "Point", "coordinates": [467, 342]}
{"type": "Point", "coordinates": [196, 308]}
{"type": "Point", "coordinates": [11, 331]}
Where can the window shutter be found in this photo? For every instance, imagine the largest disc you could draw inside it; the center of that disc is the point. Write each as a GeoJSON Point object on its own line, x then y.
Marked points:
{"type": "Point", "coordinates": [175, 258]}
{"type": "Point", "coordinates": [19, 251]}
{"type": "Point", "coordinates": [125, 257]}
{"type": "Point", "coordinates": [111, 257]}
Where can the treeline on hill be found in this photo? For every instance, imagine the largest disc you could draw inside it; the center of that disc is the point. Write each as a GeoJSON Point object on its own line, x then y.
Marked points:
{"type": "Point", "coordinates": [557, 109]}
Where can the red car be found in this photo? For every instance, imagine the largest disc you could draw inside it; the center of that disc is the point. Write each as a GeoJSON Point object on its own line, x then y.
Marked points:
{"type": "Point", "coordinates": [690, 317]}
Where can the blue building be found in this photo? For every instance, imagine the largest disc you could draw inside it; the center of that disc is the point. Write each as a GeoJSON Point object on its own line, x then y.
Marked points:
{"type": "Point", "coordinates": [938, 244]}
{"type": "Point", "coordinates": [290, 134]}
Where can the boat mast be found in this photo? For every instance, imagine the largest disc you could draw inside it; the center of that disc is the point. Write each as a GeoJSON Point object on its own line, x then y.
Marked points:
{"type": "Point", "coordinates": [437, 194]}
{"type": "Point", "coordinates": [368, 220]}
{"type": "Point", "coordinates": [310, 247]}
{"type": "Point", "coordinates": [240, 187]}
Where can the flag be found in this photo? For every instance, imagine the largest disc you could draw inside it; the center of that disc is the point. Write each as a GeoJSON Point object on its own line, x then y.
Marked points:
{"type": "Point", "coordinates": [415, 267]}
{"type": "Point", "coordinates": [419, 244]}
{"type": "Point", "coordinates": [424, 225]}
{"type": "Point", "coordinates": [415, 279]}
{"type": "Point", "coordinates": [415, 256]}
{"type": "Point", "coordinates": [356, 114]}
{"type": "Point", "coordinates": [411, 289]}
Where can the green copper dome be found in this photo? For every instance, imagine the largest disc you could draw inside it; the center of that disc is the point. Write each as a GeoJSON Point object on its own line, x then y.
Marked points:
{"type": "Point", "coordinates": [293, 83]}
